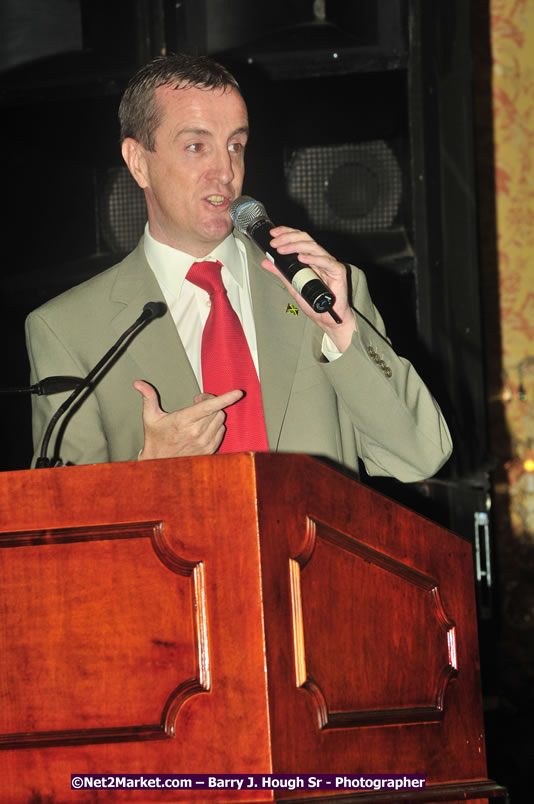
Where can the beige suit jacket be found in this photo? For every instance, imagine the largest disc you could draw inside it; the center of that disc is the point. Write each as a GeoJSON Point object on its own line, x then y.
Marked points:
{"type": "Point", "coordinates": [369, 403]}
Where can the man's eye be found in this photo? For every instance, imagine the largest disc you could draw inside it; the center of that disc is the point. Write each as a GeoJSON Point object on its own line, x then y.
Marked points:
{"type": "Point", "coordinates": [236, 148]}
{"type": "Point", "coordinates": [196, 147]}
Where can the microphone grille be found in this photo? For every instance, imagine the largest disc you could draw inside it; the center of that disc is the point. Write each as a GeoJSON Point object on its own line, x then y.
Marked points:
{"type": "Point", "coordinates": [154, 309]}
{"type": "Point", "coordinates": [245, 211]}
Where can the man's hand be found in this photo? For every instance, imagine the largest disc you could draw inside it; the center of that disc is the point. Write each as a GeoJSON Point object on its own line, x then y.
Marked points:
{"type": "Point", "coordinates": [196, 430]}
{"type": "Point", "coordinates": [327, 268]}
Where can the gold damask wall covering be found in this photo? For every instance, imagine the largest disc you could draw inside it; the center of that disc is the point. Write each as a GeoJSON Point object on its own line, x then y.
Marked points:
{"type": "Point", "coordinates": [509, 320]}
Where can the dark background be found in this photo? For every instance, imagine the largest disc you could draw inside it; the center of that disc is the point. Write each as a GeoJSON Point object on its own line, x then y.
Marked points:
{"type": "Point", "coordinates": [362, 133]}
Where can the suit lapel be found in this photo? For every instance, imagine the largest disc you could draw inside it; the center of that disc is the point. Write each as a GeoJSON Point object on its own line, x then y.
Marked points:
{"type": "Point", "coordinates": [158, 352]}
{"type": "Point", "coordinates": [279, 337]}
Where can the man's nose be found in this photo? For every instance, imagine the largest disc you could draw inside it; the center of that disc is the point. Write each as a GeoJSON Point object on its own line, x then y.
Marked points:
{"type": "Point", "coordinates": [223, 168]}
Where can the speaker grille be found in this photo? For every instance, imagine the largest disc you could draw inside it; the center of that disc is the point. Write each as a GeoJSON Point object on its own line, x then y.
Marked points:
{"type": "Point", "coordinates": [121, 210]}
{"type": "Point", "coordinates": [354, 187]}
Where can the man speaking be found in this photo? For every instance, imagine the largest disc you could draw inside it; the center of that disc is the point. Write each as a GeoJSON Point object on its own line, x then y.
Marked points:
{"type": "Point", "coordinates": [239, 361]}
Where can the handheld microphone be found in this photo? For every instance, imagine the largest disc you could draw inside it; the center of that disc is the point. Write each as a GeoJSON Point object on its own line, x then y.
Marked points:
{"type": "Point", "coordinates": [151, 310]}
{"type": "Point", "coordinates": [250, 218]}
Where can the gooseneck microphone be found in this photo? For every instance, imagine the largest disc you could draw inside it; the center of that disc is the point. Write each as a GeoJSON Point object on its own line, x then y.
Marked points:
{"type": "Point", "coordinates": [151, 310]}
{"type": "Point", "coordinates": [250, 218]}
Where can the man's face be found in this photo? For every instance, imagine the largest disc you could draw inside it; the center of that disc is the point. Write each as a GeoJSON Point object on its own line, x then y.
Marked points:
{"type": "Point", "coordinates": [197, 168]}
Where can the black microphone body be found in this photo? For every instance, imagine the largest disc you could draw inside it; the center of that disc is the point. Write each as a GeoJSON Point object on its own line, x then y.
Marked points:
{"type": "Point", "coordinates": [250, 217]}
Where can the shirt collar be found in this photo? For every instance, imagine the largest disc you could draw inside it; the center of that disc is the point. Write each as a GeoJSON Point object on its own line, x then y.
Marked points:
{"type": "Point", "coordinates": [171, 265]}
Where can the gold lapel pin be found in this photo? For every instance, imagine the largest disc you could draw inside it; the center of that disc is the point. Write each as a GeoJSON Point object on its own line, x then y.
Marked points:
{"type": "Point", "coordinates": [292, 309]}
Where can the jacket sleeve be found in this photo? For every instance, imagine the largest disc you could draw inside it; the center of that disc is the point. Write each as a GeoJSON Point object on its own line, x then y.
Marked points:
{"type": "Point", "coordinates": [397, 425]}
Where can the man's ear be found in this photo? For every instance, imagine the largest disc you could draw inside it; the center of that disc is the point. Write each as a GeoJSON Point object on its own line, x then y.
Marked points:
{"type": "Point", "coordinates": [134, 155]}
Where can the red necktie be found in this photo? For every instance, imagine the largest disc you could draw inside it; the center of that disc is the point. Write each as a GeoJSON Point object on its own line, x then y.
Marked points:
{"type": "Point", "coordinates": [227, 364]}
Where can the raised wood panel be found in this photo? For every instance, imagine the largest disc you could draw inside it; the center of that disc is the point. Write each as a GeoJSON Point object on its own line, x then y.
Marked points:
{"type": "Point", "coordinates": [204, 556]}
{"type": "Point", "coordinates": [59, 674]}
{"type": "Point", "coordinates": [352, 697]}
{"type": "Point", "coordinates": [395, 610]}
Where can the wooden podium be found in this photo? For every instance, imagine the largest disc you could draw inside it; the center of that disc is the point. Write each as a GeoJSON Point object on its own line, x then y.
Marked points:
{"type": "Point", "coordinates": [231, 614]}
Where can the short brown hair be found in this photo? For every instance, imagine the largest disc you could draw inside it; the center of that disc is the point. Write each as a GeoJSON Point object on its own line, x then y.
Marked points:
{"type": "Point", "coordinates": [140, 115]}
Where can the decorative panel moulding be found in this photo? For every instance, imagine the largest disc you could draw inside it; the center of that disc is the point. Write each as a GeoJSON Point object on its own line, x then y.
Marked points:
{"type": "Point", "coordinates": [114, 607]}
{"type": "Point", "coordinates": [340, 661]}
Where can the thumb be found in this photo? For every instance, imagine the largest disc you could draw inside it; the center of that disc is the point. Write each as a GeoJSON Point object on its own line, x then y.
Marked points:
{"type": "Point", "coordinates": [151, 407]}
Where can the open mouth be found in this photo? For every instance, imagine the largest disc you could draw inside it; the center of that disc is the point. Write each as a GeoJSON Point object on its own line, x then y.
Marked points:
{"type": "Point", "coordinates": [217, 200]}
